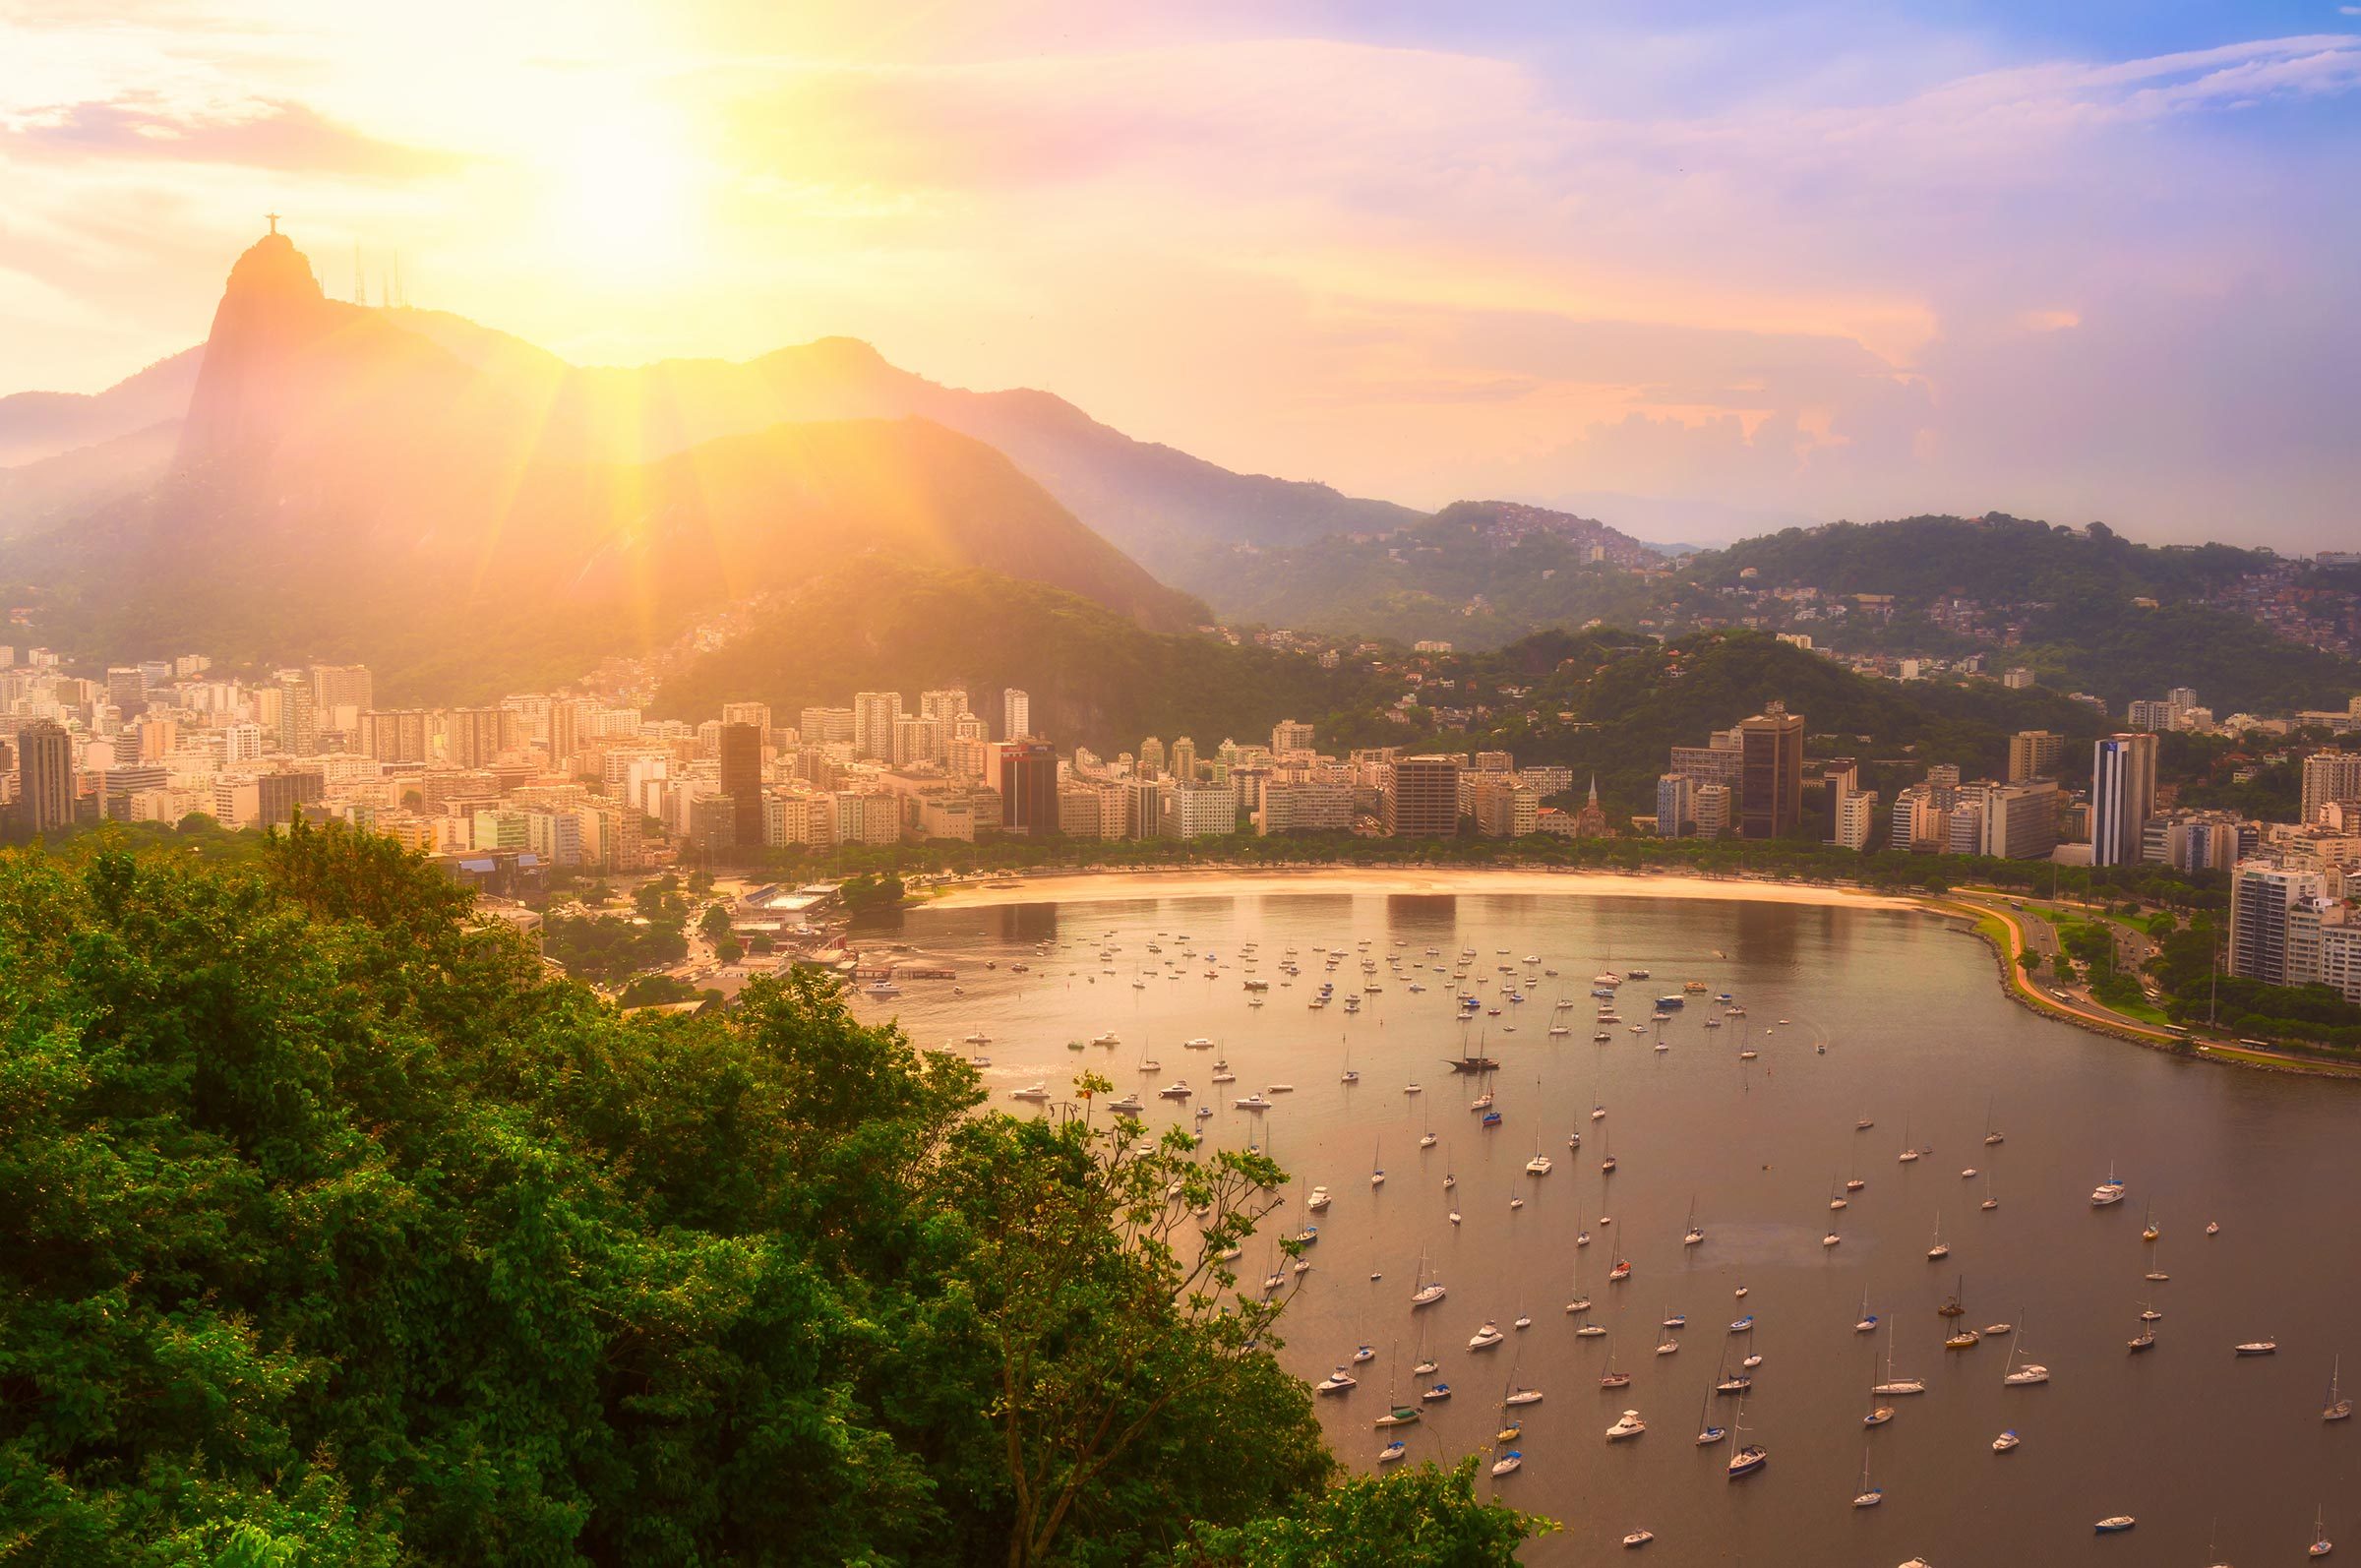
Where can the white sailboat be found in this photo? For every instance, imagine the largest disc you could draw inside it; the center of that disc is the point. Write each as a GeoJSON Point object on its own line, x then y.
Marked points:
{"type": "Point", "coordinates": [2031, 1372]}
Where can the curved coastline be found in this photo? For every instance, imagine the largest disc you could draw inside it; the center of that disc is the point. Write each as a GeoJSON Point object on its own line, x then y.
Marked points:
{"type": "Point", "coordinates": [1089, 887]}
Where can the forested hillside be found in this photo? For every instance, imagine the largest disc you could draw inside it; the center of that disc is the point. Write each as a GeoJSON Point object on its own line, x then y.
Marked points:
{"type": "Point", "coordinates": [333, 1232]}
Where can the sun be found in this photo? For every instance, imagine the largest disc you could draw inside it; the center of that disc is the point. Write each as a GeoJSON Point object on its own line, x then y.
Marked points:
{"type": "Point", "coordinates": [622, 194]}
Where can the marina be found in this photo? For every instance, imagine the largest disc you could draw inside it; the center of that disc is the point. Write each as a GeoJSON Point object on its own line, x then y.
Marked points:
{"type": "Point", "coordinates": [1886, 1018]}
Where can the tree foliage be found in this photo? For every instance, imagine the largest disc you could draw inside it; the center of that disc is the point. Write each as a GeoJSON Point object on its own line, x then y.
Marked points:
{"type": "Point", "coordinates": [332, 1229]}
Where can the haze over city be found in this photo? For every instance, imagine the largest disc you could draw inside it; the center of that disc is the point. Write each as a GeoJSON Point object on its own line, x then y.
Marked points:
{"type": "Point", "coordinates": [815, 785]}
{"type": "Point", "coordinates": [1697, 270]}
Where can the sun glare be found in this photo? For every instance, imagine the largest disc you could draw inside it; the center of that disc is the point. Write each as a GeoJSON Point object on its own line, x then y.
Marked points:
{"type": "Point", "coordinates": [622, 195]}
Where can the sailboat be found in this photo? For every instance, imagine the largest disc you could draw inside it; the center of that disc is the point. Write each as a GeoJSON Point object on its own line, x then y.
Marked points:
{"type": "Point", "coordinates": [1349, 1076]}
{"type": "Point", "coordinates": [1938, 1251]}
{"type": "Point", "coordinates": [1868, 1496]}
{"type": "Point", "coordinates": [2336, 1407]}
{"type": "Point", "coordinates": [1706, 1432]}
{"type": "Point", "coordinates": [1892, 1384]}
{"type": "Point", "coordinates": [1578, 1303]}
{"type": "Point", "coordinates": [1836, 1197]}
{"type": "Point", "coordinates": [1749, 1457]}
{"type": "Point", "coordinates": [2024, 1376]}
{"type": "Point", "coordinates": [1377, 1167]}
{"type": "Point", "coordinates": [1516, 1393]}
{"type": "Point", "coordinates": [1910, 1150]}
{"type": "Point", "coordinates": [1429, 1292]}
{"type": "Point", "coordinates": [1866, 1323]}
{"type": "Point", "coordinates": [1612, 1377]}
{"type": "Point", "coordinates": [1427, 1137]}
{"type": "Point", "coordinates": [1425, 1365]}
{"type": "Point", "coordinates": [2148, 1227]}
{"type": "Point", "coordinates": [2144, 1339]}
{"type": "Point", "coordinates": [1991, 1134]}
{"type": "Point", "coordinates": [2321, 1545]}
{"type": "Point", "coordinates": [1951, 1305]}
{"type": "Point", "coordinates": [1607, 1167]}
{"type": "Point", "coordinates": [1990, 1202]}
{"type": "Point", "coordinates": [1397, 1413]}
{"type": "Point", "coordinates": [2154, 1273]}
{"type": "Point", "coordinates": [1692, 1235]}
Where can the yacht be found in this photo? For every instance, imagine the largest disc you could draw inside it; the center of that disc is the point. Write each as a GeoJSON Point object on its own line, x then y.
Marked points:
{"type": "Point", "coordinates": [1318, 1200]}
{"type": "Point", "coordinates": [1630, 1426]}
{"type": "Point", "coordinates": [1253, 1102]}
{"type": "Point", "coordinates": [1429, 1294]}
{"type": "Point", "coordinates": [1335, 1382]}
{"type": "Point", "coordinates": [1175, 1091]}
{"type": "Point", "coordinates": [2107, 1192]}
{"type": "Point", "coordinates": [2006, 1441]}
{"type": "Point", "coordinates": [1539, 1165]}
{"type": "Point", "coordinates": [1485, 1338]}
{"type": "Point", "coordinates": [1110, 1040]}
{"type": "Point", "coordinates": [2259, 1348]}
{"type": "Point", "coordinates": [1032, 1090]}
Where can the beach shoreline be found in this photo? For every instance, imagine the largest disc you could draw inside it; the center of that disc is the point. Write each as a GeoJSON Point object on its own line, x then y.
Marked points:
{"type": "Point", "coordinates": [1089, 887]}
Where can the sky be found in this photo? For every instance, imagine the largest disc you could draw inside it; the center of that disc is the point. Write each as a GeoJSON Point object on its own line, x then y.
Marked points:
{"type": "Point", "coordinates": [1683, 265]}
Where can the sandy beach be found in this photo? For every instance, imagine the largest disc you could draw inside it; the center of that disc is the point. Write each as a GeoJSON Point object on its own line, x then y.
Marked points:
{"type": "Point", "coordinates": [1099, 887]}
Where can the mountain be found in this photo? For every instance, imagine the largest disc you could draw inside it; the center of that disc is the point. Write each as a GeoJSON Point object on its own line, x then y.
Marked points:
{"type": "Point", "coordinates": [35, 425]}
{"type": "Point", "coordinates": [1095, 678]}
{"type": "Point", "coordinates": [1159, 505]}
{"type": "Point", "coordinates": [2092, 609]}
{"type": "Point", "coordinates": [1478, 573]}
{"type": "Point", "coordinates": [343, 487]}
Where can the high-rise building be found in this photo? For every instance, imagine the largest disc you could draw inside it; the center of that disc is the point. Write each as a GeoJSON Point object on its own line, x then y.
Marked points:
{"type": "Point", "coordinates": [874, 714]}
{"type": "Point", "coordinates": [2123, 796]}
{"type": "Point", "coordinates": [472, 737]}
{"type": "Point", "coordinates": [2329, 777]}
{"type": "Point", "coordinates": [1856, 820]}
{"type": "Point", "coordinates": [569, 725]}
{"type": "Point", "coordinates": [343, 685]}
{"type": "Point", "coordinates": [742, 780]}
{"type": "Point", "coordinates": [396, 735]}
{"type": "Point", "coordinates": [1675, 811]}
{"type": "Point", "coordinates": [1422, 798]}
{"type": "Point", "coordinates": [756, 714]}
{"type": "Point", "coordinates": [127, 690]}
{"type": "Point", "coordinates": [2019, 821]}
{"type": "Point", "coordinates": [1839, 776]}
{"type": "Point", "coordinates": [819, 726]}
{"type": "Point", "coordinates": [1185, 760]}
{"type": "Point", "coordinates": [1199, 810]}
{"type": "Point", "coordinates": [1028, 785]}
{"type": "Point", "coordinates": [946, 704]}
{"type": "Point", "coordinates": [1715, 806]}
{"type": "Point", "coordinates": [1504, 808]}
{"type": "Point", "coordinates": [1151, 757]}
{"type": "Point", "coordinates": [2262, 898]}
{"type": "Point", "coordinates": [45, 786]}
{"type": "Point", "coordinates": [1289, 735]}
{"type": "Point", "coordinates": [1143, 808]}
{"type": "Point", "coordinates": [1771, 784]}
{"type": "Point", "coordinates": [298, 714]}
{"type": "Point", "coordinates": [1017, 715]}
{"type": "Point", "coordinates": [2034, 753]}
{"type": "Point", "coordinates": [2148, 713]}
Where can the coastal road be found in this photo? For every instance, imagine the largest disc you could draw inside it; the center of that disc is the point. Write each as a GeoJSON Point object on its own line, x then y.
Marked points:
{"type": "Point", "coordinates": [2080, 1004]}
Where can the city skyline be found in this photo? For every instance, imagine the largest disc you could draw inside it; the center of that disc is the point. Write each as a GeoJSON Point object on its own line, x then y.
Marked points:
{"type": "Point", "coordinates": [2071, 268]}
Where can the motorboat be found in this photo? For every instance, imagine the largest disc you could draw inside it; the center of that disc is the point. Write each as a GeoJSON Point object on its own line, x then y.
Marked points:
{"type": "Point", "coordinates": [1253, 1102]}
{"type": "Point", "coordinates": [1485, 1338]}
{"type": "Point", "coordinates": [1364, 1352]}
{"type": "Point", "coordinates": [1629, 1425]}
{"type": "Point", "coordinates": [1318, 1200]}
{"type": "Point", "coordinates": [1639, 1537]}
{"type": "Point", "coordinates": [1175, 1091]}
{"type": "Point", "coordinates": [1033, 1091]}
{"type": "Point", "coordinates": [2006, 1441]}
{"type": "Point", "coordinates": [2115, 1525]}
{"type": "Point", "coordinates": [2259, 1348]}
{"type": "Point", "coordinates": [1335, 1382]}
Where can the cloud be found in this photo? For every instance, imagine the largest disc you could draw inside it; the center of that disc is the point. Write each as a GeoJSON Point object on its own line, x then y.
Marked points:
{"type": "Point", "coordinates": [265, 135]}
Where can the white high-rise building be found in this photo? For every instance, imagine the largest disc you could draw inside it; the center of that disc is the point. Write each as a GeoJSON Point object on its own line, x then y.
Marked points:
{"type": "Point", "coordinates": [1855, 813]}
{"type": "Point", "coordinates": [1017, 714]}
{"type": "Point", "coordinates": [874, 716]}
{"type": "Point", "coordinates": [2263, 902]}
